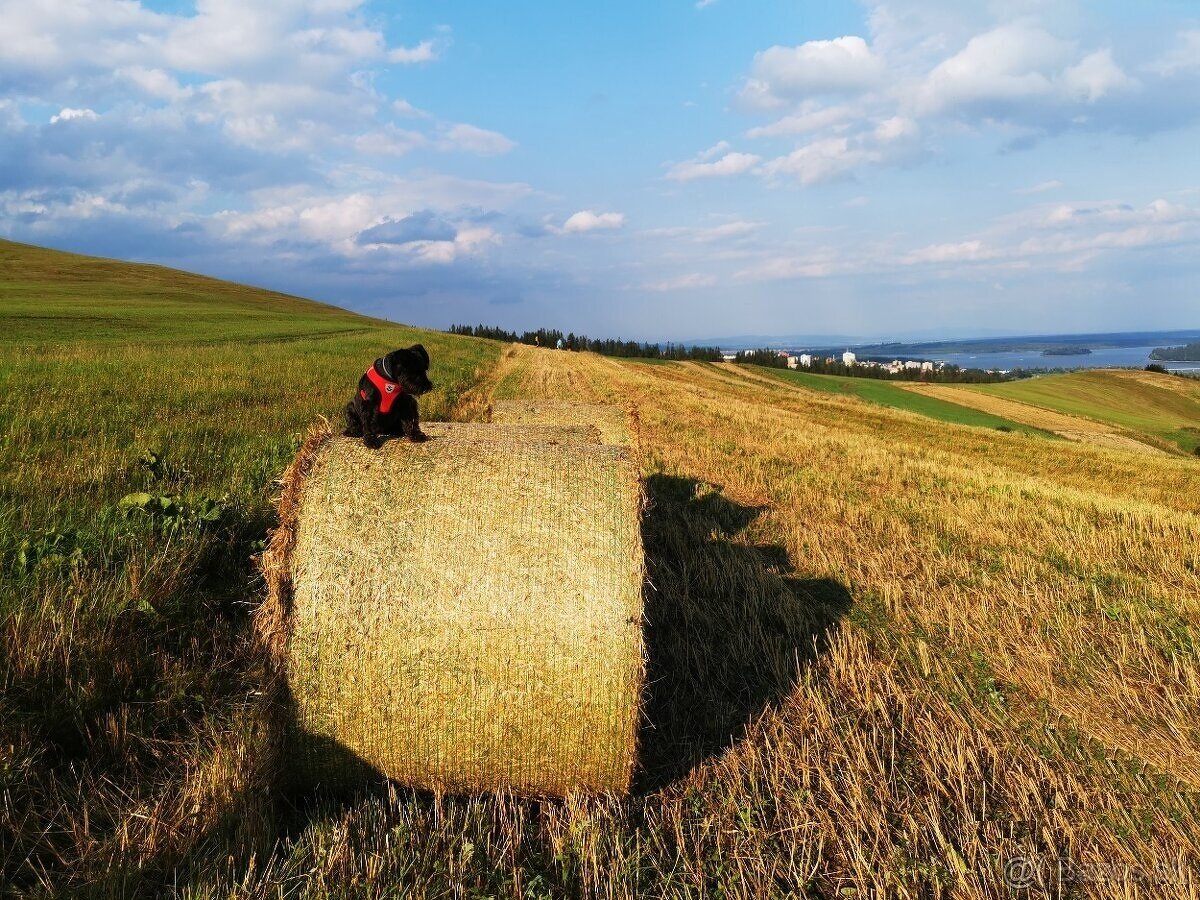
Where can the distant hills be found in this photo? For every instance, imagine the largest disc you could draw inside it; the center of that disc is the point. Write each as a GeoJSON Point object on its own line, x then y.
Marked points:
{"type": "Point", "coordinates": [829, 343]}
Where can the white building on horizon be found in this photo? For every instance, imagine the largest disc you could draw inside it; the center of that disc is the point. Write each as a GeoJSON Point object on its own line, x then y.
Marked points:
{"type": "Point", "coordinates": [848, 358]}
{"type": "Point", "coordinates": [806, 360]}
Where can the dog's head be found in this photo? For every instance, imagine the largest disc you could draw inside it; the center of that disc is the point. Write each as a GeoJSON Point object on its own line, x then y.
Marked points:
{"type": "Point", "coordinates": [408, 367]}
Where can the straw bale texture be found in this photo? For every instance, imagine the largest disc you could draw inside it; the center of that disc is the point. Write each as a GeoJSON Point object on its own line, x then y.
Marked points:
{"type": "Point", "coordinates": [612, 422]}
{"type": "Point", "coordinates": [461, 615]}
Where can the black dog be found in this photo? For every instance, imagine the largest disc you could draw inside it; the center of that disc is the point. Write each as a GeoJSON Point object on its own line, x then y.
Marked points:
{"type": "Point", "coordinates": [386, 400]}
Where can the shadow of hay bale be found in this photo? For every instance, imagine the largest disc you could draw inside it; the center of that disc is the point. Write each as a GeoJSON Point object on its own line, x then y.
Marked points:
{"type": "Point", "coordinates": [730, 628]}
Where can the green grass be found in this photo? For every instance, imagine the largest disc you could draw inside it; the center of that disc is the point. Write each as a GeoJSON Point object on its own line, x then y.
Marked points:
{"type": "Point", "coordinates": [49, 297]}
{"type": "Point", "coordinates": [123, 639]}
{"type": "Point", "coordinates": [1161, 406]}
{"type": "Point", "coordinates": [887, 394]}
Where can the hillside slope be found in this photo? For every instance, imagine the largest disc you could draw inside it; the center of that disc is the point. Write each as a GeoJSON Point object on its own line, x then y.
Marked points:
{"type": "Point", "coordinates": [48, 296]}
{"type": "Point", "coordinates": [1162, 407]}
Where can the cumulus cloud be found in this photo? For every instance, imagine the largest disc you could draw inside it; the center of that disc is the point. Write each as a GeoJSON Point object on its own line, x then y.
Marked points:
{"type": "Point", "coordinates": [67, 114]}
{"type": "Point", "coordinates": [811, 117]}
{"type": "Point", "coordinates": [475, 140]}
{"type": "Point", "coordinates": [1002, 72]}
{"type": "Point", "coordinates": [930, 69]}
{"type": "Point", "coordinates": [421, 53]}
{"type": "Point", "coordinates": [844, 65]}
{"type": "Point", "coordinates": [586, 220]}
{"type": "Point", "coordinates": [716, 162]}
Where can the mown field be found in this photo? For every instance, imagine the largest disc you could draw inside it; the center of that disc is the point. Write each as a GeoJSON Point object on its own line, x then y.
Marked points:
{"type": "Point", "coordinates": [888, 657]}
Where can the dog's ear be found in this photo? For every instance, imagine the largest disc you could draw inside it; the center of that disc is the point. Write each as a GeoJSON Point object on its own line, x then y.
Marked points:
{"type": "Point", "coordinates": [419, 350]}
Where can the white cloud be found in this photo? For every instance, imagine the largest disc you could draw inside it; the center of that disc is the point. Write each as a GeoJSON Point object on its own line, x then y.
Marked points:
{"type": "Point", "coordinates": [726, 232]}
{"type": "Point", "coordinates": [731, 163]}
{"type": "Point", "coordinates": [933, 68]}
{"type": "Point", "coordinates": [422, 53]}
{"type": "Point", "coordinates": [831, 159]}
{"type": "Point", "coordinates": [812, 117]}
{"type": "Point", "coordinates": [1095, 76]}
{"type": "Point", "coordinates": [844, 65]}
{"type": "Point", "coordinates": [1002, 71]}
{"type": "Point", "coordinates": [475, 140]}
{"type": "Point", "coordinates": [897, 128]}
{"type": "Point", "coordinates": [963, 251]}
{"type": "Point", "coordinates": [689, 282]}
{"type": "Point", "coordinates": [587, 220]}
{"type": "Point", "coordinates": [67, 114]}
{"type": "Point", "coordinates": [787, 268]}
{"type": "Point", "coordinates": [390, 141]}
{"type": "Point", "coordinates": [408, 111]}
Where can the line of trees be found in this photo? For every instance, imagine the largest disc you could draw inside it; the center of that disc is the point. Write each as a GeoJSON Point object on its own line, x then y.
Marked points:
{"type": "Point", "coordinates": [1186, 353]}
{"type": "Point", "coordinates": [551, 337]}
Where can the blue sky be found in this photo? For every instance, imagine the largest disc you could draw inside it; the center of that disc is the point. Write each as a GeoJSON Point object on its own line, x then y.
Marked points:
{"type": "Point", "coordinates": [664, 170]}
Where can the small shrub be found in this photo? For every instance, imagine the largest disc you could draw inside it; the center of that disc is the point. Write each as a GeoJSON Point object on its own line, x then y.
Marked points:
{"type": "Point", "coordinates": [54, 550]}
{"type": "Point", "coordinates": [172, 514]}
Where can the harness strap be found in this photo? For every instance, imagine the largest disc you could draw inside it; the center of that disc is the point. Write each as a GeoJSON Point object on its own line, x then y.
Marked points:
{"type": "Point", "coordinates": [388, 390]}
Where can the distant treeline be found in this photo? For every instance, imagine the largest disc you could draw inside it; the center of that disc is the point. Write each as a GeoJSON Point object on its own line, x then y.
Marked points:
{"type": "Point", "coordinates": [948, 374]}
{"type": "Point", "coordinates": [1186, 353]}
{"type": "Point", "coordinates": [550, 337]}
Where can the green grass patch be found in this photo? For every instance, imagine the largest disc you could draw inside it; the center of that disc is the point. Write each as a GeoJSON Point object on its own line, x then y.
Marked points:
{"type": "Point", "coordinates": [1160, 406]}
{"type": "Point", "coordinates": [890, 395]}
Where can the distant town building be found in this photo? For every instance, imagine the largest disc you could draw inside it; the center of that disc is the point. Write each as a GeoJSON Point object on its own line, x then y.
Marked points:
{"type": "Point", "coordinates": [729, 357]}
{"type": "Point", "coordinates": [806, 360]}
{"type": "Point", "coordinates": [848, 358]}
{"type": "Point", "coordinates": [793, 361]}
{"type": "Point", "coordinates": [927, 366]}
{"type": "Point", "coordinates": [912, 364]}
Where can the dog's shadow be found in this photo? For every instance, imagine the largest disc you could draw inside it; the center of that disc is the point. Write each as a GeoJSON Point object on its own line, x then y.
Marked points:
{"type": "Point", "coordinates": [730, 626]}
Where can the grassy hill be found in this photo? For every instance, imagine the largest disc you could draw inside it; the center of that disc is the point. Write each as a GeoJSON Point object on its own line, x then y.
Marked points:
{"type": "Point", "coordinates": [894, 396]}
{"type": "Point", "coordinates": [888, 654]}
{"type": "Point", "coordinates": [1150, 403]}
{"type": "Point", "coordinates": [49, 296]}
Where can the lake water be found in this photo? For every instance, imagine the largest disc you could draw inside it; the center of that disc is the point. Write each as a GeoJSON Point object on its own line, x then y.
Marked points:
{"type": "Point", "coordinates": [1033, 359]}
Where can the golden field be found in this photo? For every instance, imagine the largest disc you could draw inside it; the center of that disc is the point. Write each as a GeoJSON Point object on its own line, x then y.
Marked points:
{"type": "Point", "coordinates": [888, 656]}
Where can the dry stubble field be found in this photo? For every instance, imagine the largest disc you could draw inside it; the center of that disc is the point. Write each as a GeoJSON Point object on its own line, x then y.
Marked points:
{"type": "Point", "coordinates": [888, 656]}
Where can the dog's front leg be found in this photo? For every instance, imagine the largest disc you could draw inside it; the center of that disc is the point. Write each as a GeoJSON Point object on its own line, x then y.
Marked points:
{"type": "Point", "coordinates": [412, 430]}
{"type": "Point", "coordinates": [353, 422]}
{"type": "Point", "coordinates": [371, 429]}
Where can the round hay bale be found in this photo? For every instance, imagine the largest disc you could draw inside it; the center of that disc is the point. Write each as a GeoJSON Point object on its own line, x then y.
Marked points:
{"type": "Point", "coordinates": [567, 433]}
{"type": "Point", "coordinates": [612, 422]}
{"type": "Point", "coordinates": [462, 615]}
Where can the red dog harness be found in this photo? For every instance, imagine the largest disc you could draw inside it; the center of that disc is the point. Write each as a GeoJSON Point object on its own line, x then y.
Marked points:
{"type": "Point", "coordinates": [388, 390]}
